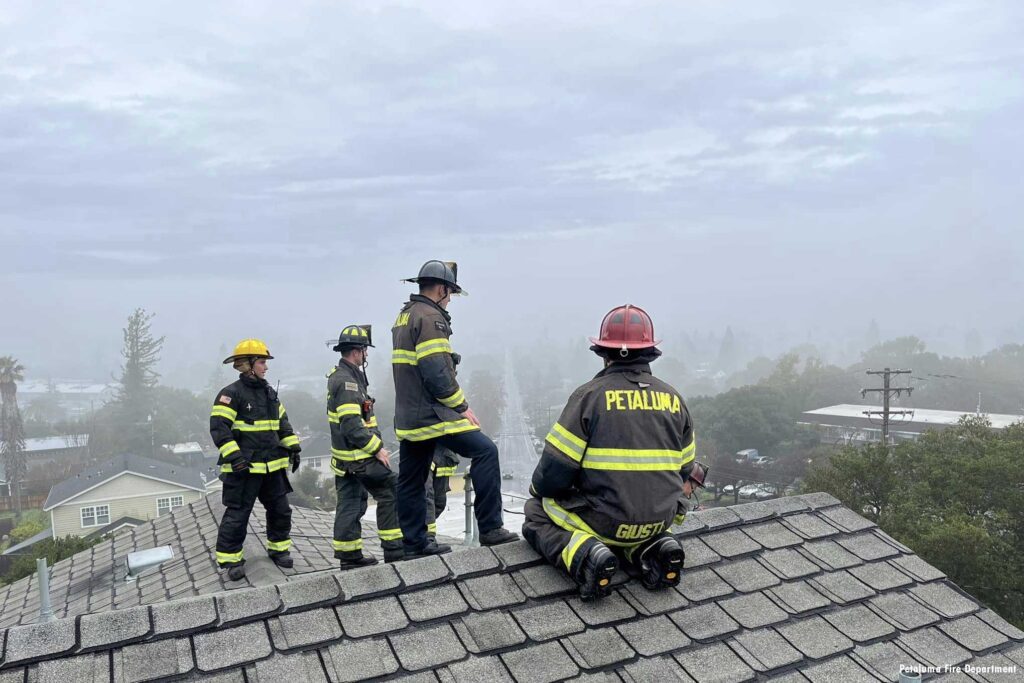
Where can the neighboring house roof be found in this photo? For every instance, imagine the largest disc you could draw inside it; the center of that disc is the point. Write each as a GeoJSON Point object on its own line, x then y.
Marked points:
{"type": "Point", "coordinates": [796, 588]}
{"type": "Point", "coordinates": [93, 580]}
{"type": "Point", "coordinates": [27, 543]}
{"type": "Point", "coordinates": [92, 477]}
{"type": "Point", "coordinates": [922, 418]}
{"type": "Point", "coordinates": [119, 523]}
{"type": "Point", "coordinates": [56, 443]}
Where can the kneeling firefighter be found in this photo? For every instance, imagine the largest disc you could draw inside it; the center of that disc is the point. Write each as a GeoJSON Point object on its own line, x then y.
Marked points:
{"type": "Point", "coordinates": [250, 427]}
{"type": "Point", "coordinates": [615, 467]}
{"type": "Point", "coordinates": [359, 460]}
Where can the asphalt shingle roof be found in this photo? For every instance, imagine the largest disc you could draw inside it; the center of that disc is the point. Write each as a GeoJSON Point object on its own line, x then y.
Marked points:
{"type": "Point", "coordinates": [751, 606]}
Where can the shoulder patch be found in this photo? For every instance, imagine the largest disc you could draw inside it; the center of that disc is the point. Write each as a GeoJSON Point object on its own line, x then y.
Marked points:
{"type": "Point", "coordinates": [225, 399]}
{"type": "Point", "coordinates": [440, 324]}
{"type": "Point", "coordinates": [351, 386]}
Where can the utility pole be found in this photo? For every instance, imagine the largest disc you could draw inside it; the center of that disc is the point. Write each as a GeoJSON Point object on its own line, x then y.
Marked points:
{"type": "Point", "coordinates": [887, 392]}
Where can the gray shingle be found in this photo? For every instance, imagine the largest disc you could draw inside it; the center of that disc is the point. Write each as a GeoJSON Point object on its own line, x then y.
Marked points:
{"type": "Point", "coordinates": [860, 624]}
{"type": "Point", "coordinates": [702, 584]}
{"type": "Point", "coordinates": [471, 562]}
{"type": "Point", "coordinates": [490, 592]}
{"type": "Point", "coordinates": [944, 599]}
{"type": "Point", "coordinates": [90, 668]}
{"type": "Point", "coordinates": [838, 669]}
{"type": "Point", "coordinates": [715, 663]}
{"type": "Point", "coordinates": [867, 546]}
{"type": "Point", "coordinates": [1000, 624]}
{"type": "Point", "coordinates": [973, 633]}
{"type": "Point", "coordinates": [604, 611]}
{"type": "Point", "coordinates": [428, 647]}
{"type": "Point", "coordinates": [788, 504]}
{"type": "Point", "coordinates": [788, 563]}
{"type": "Point", "coordinates": [754, 610]}
{"type": "Point", "coordinates": [881, 576]}
{"type": "Point", "coordinates": [655, 670]}
{"type": "Point", "coordinates": [543, 663]}
{"type": "Point", "coordinates": [933, 647]}
{"type": "Point", "coordinates": [423, 571]}
{"type": "Point", "coordinates": [882, 659]}
{"type": "Point", "coordinates": [350, 661]}
{"type": "Point", "coordinates": [552, 620]}
{"type": "Point", "coordinates": [598, 647]}
{"type": "Point", "coordinates": [543, 581]}
{"type": "Point", "coordinates": [32, 642]}
{"type": "Point", "coordinates": [820, 499]}
{"type": "Point", "coordinates": [229, 647]}
{"type": "Point", "coordinates": [730, 543]}
{"type": "Point", "coordinates": [715, 518]}
{"type": "Point", "coordinates": [302, 629]}
{"type": "Point", "coordinates": [904, 611]}
{"type": "Point", "coordinates": [13, 675]}
{"type": "Point", "coordinates": [489, 631]}
{"type": "Point", "coordinates": [764, 650]}
{"type": "Point", "coordinates": [516, 555]}
{"type": "Point", "coordinates": [995, 659]}
{"type": "Point", "coordinates": [433, 603]}
{"type": "Point", "coordinates": [357, 584]}
{"type": "Point", "coordinates": [183, 616]}
{"type": "Point", "coordinates": [697, 553]}
{"type": "Point", "coordinates": [372, 617]}
{"type": "Point", "coordinates": [692, 524]}
{"type": "Point", "coordinates": [704, 622]}
{"type": "Point", "coordinates": [111, 628]}
{"type": "Point", "coordinates": [831, 555]}
{"type": "Point", "coordinates": [152, 661]}
{"type": "Point", "coordinates": [846, 519]}
{"type": "Point", "coordinates": [649, 602]}
{"type": "Point", "coordinates": [248, 603]}
{"type": "Point", "coordinates": [815, 637]}
{"type": "Point", "coordinates": [304, 667]}
{"type": "Point", "coordinates": [747, 575]}
{"type": "Point", "coordinates": [477, 669]}
{"type": "Point", "coordinates": [798, 597]}
{"type": "Point", "coordinates": [772, 535]}
{"type": "Point", "coordinates": [841, 587]}
{"type": "Point", "coordinates": [653, 636]}
{"type": "Point", "coordinates": [754, 512]}
{"type": "Point", "coordinates": [309, 592]}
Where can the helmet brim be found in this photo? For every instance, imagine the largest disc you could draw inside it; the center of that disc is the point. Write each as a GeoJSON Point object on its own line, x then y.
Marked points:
{"type": "Point", "coordinates": [342, 347]}
{"type": "Point", "coordinates": [456, 289]}
{"type": "Point", "coordinates": [629, 345]}
{"type": "Point", "coordinates": [232, 359]}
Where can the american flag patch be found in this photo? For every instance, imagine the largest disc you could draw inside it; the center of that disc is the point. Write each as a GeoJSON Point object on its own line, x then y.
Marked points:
{"type": "Point", "coordinates": [225, 399]}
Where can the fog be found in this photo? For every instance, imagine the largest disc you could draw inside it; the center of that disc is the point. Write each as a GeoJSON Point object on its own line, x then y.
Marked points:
{"type": "Point", "coordinates": [788, 170]}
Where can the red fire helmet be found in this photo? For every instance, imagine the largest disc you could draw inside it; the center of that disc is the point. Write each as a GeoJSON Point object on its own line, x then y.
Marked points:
{"type": "Point", "coordinates": [626, 327]}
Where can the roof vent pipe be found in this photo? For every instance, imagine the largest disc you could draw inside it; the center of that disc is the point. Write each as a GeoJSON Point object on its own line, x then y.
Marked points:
{"type": "Point", "coordinates": [910, 677]}
{"type": "Point", "coordinates": [43, 576]}
{"type": "Point", "coordinates": [142, 560]}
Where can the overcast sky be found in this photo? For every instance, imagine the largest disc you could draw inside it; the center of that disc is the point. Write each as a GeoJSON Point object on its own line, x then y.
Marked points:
{"type": "Point", "coordinates": [273, 170]}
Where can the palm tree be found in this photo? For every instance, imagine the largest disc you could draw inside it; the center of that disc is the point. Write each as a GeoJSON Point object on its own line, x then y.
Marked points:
{"type": "Point", "coordinates": [12, 434]}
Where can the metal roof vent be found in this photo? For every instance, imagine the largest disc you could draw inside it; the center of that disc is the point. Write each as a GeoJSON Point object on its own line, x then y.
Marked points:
{"type": "Point", "coordinates": [142, 560]}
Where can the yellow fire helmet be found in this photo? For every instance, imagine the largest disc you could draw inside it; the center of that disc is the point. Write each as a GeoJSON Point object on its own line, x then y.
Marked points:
{"type": "Point", "coordinates": [248, 348]}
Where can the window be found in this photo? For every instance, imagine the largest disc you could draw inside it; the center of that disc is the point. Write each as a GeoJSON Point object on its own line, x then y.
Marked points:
{"type": "Point", "coordinates": [95, 515]}
{"type": "Point", "coordinates": [165, 505]}
{"type": "Point", "coordinates": [316, 463]}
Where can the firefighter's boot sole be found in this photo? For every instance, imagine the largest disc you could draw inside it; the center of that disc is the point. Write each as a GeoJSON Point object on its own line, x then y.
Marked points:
{"type": "Point", "coordinates": [364, 561]}
{"type": "Point", "coordinates": [662, 564]}
{"type": "Point", "coordinates": [596, 573]}
{"type": "Point", "coordinates": [236, 573]}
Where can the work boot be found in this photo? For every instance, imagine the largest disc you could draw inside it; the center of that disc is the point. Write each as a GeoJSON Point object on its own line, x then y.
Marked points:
{"type": "Point", "coordinates": [431, 548]}
{"type": "Point", "coordinates": [283, 560]}
{"type": "Point", "coordinates": [661, 564]}
{"type": "Point", "coordinates": [236, 572]}
{"type": "Point", "coordinates": [393, 556]}
{"type": "Point", "coordinates": [498, 536]}
{"type": "Point", "coordinates": [356, 562]}
{"type": "Point", "coordinates": [594, 575]}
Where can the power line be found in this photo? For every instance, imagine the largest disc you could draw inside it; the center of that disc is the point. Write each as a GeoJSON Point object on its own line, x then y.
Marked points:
{"type": "Point", "coordinates": [888, 392]}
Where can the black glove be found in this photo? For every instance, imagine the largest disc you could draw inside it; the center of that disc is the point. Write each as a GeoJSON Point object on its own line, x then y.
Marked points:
{"type": "Point", "coordinates": [295, 461]}
{"type": "Point", "coordinates": [237, 461]}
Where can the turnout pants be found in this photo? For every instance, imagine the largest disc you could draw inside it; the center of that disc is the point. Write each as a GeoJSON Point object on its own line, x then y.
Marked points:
{"type": "Point", "coordinates": [359, 480]}
{"type": "Point", "coordinates": [564, 539]}
{"type": "Point", "coordinates": [241, 491]}
{"type": "Point", "coordinates": [416, 457]}
{"type": "Point", "coordinates": [437, 489]}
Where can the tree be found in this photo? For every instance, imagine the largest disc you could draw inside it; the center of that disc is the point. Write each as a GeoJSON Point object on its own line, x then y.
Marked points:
{"type": "Point", "coordinates": [12, 445]}
{"type": "Point", "coordinates": [53, 549]}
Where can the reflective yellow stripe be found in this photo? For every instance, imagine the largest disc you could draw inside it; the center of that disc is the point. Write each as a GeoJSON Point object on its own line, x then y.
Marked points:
{"type": "Point", "coordinates": [434, 431]}
{"type": "Point", "coordinates": [432, 528]}
{"type": "Point", "coordinates": [633, 459]}
{"type": "Point", "coordinates": [268, 467]}
{"type": "Point", "coordinates": [373, 445]}
{"type": "Point", "coordinates": [257, 426]}
{"type": "Point", "coordinates": [348, 546]}
{"type": "Point", "coordinates": [229, 448]}
{"type": "Point", "coordinates": [223, 558]}
{"type": "Point", "coordinates": [280, 410]}
{"type": "Point", "coordinates": [432, 346]}
{"type": "Point", "coordinates": [679, 519]}
{"type": "Point", "coordinates": [389, 534]}
{"type": "Point", "coordinates": [566, 442]}
{"type": "Point", "coordinates": [573, 523]}
{"type": "Point", "coordinates": [279, 546]}
{"type": "Point", "coordinates": [400, 356]}
{"type": "Point", "coordinates": [569, 552]}
{"type": "Point", "coordinates": [372, 422]}
{"type": "Point", "coordinates": [224, 411]}
{"type": "Point", "coordinates": [455, 399]}
{"type": "Point", "coordinates": [346, 456]}
{"type": "Point", "coordinates": [445, 471]}
{"type": "Point", "coordinates": [690, 452]}
{"type": "Point", "coordinates": [348, 409]}
{"type": "Point", "coordinates": [226, 468]}
{"type": "Point", "coordinates": [289, 441]}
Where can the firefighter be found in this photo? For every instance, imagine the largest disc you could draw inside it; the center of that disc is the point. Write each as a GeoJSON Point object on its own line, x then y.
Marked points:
{"type": "Point", "coordinates": [250, 427]}
{"type": "Point", "coordinates": [431, 410]}
{"type": "Point", "coordinates": [360, 463]}
{"type": "Point", "coordinates": [615, 467]}
{"type": "Point", "coordinates": [442, 469]}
